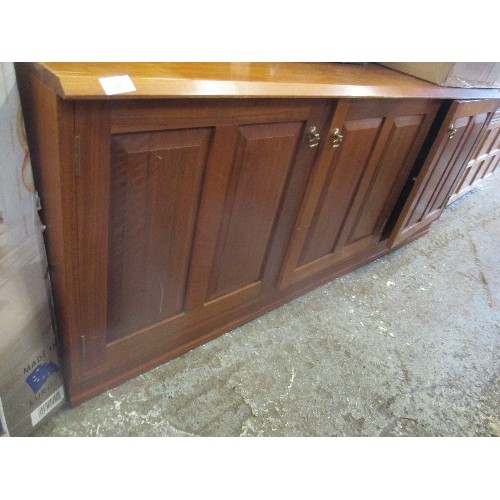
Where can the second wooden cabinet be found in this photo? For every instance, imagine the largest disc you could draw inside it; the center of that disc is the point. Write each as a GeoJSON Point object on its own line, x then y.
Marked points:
{"type": "Point", "coordinates": [450, 150]}
{"type": "Point", "coordinates": [484, 161]}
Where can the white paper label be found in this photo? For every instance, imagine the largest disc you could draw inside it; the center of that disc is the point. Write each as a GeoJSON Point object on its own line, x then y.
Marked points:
{"type": "Point", "coordinates": [113, 85]}
{"type": "Point", "coordinates": [48, 405]}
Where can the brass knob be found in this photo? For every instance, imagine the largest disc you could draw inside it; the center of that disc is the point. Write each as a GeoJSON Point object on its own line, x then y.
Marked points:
{"type": "Point", "coordinates": [452, 131]}
{"type": "Point", "coordinates": [336, 137]}
{"type": "Point", "coordinates": [313, 137]}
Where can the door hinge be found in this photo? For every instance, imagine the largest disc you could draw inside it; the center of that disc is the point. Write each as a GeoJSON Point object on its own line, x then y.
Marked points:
{"type": "Point", "coordinates": [76, 156]}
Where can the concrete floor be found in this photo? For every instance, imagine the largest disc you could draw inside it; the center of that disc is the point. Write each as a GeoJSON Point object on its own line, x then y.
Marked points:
{"type": "Point", "coordinates": [406, 346]}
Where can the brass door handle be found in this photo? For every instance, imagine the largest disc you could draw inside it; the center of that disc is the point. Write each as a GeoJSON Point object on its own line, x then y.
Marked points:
{"type": "Point", "coordinates": [312, 137]}
{"type": "Point", "coordinates": [336, 137]}
{"type": "Point", "coordinates": [452, 131]}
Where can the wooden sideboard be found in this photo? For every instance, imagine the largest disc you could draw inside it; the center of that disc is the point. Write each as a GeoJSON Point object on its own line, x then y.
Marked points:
{"type": "Point", "coordinates": [216, 192]}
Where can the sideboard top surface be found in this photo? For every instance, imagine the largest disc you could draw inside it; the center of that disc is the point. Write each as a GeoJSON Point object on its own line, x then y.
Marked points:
{"type": "Point", "coordinates": [208, 80]}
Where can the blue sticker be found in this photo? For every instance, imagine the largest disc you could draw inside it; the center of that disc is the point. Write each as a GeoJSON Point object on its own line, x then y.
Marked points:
{"type": "Point", "coordinates": [40, 374]}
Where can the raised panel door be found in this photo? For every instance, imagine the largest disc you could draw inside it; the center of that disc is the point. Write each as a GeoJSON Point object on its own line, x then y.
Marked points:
{"type": "Point", "coordinates": [355, 184]}
{"type": "Point", "coordinates": [455, 142]}
{"type": "Point", "coordinates": [155, 188]}
{"type": "Point", "coordinates": [262, 162]}
{"type": "Point", "coordinates": [484, 160]}
{"type": "Point", "coordinates": [184, 212]}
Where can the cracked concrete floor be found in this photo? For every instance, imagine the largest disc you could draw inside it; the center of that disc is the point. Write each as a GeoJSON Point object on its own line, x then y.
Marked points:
{"type": "Point", "coordinates": [405, 346]}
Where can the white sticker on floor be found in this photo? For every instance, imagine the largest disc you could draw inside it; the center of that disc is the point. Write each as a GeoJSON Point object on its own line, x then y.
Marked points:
{"type": "Point", "coordinates": [47, 406]}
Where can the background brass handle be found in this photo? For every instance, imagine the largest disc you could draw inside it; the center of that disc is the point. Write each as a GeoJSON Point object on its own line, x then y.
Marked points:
{"type": "Point", "coordinates": [313, 137]}
{"type": "Point", "coordinates": [336, 138]}
{"type": "Point", "coordinates": [452, 131]}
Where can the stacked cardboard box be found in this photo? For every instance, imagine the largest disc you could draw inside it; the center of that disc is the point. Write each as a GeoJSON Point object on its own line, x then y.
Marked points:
{"type": "Point", "coordinates": [452, 74]}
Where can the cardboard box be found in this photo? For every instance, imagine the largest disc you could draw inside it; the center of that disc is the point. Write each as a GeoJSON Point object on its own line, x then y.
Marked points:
{"type": "Point", "coordinates": [31, 392]}
{"type": "Point", "coordinates": [31, 382]}
{"type": "Point", "coordinates": [452, 74]}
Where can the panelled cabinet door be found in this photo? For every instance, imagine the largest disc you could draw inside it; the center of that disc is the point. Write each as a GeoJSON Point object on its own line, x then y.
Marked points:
{"type": "Point", "coordinates": [357, 178]}
{"type": "Point", "coordinates": [455, 143]}
{"type": "Point", "coordinates": [484, 159]}
{"type": "Point", "coordinates": [184, 212]}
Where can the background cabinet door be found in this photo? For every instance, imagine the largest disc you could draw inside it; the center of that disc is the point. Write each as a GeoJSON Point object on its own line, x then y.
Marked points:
{"type": "Point", "coordinates": [355, 183]}
{"type": "Point", "coordinates": [455, 142]}
{"type": "Point", "coordinates": [184, 212]}
{"type": "Point", "coordinates": [484, 159]}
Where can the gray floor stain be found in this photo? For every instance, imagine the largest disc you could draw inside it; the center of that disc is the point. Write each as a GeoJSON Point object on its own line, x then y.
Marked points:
{"type": "Point", "coordinates": [406, 346]}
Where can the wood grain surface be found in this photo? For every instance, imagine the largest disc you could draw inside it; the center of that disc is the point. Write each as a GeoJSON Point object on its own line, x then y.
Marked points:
{"type": "Point", "coordinates": [235, 79]}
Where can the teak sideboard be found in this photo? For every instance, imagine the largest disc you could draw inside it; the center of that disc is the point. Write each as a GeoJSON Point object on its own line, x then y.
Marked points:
{"type": "Point", "coordinates": [216, 192]}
